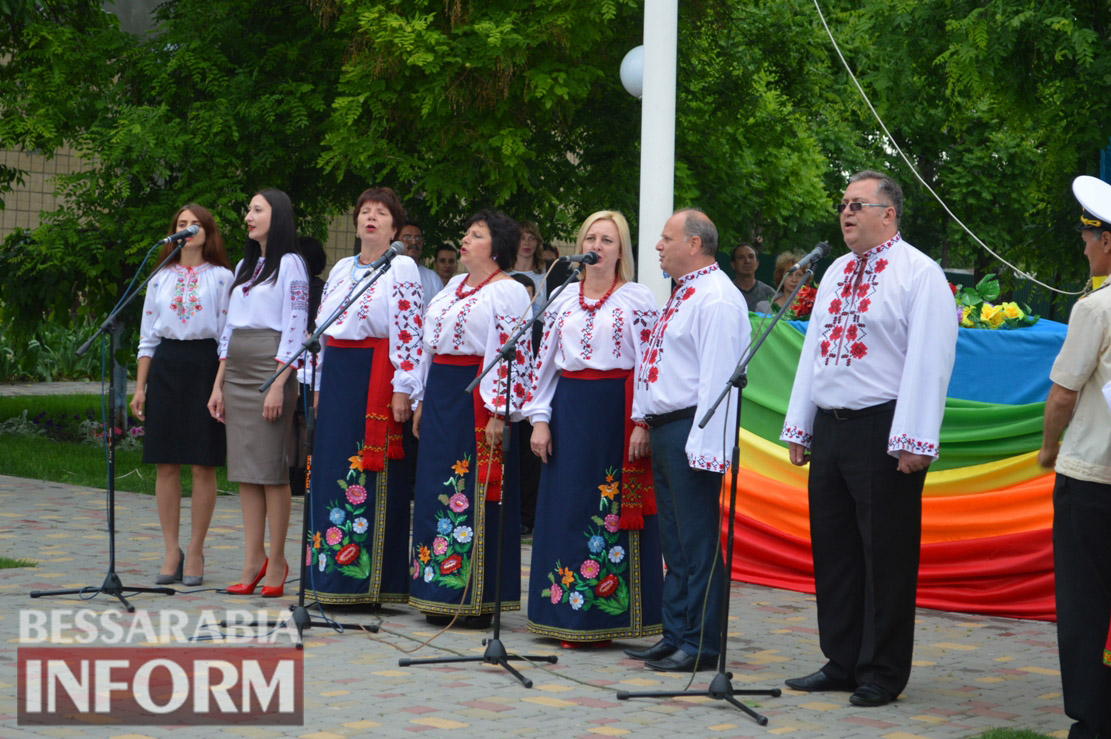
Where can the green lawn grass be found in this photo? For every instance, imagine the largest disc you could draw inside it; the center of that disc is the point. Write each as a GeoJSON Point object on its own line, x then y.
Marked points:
{"type": "Point", "coordinates": [7, 563]}
{"type": "Point", "coordinates": [1011, 734]}
{"type": "Point", "coordinates": [75, 462]}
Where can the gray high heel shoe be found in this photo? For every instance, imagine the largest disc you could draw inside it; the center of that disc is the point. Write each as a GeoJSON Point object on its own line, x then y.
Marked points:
{"type": "Point", "coordinates": [176, 577]}
{"type": "Point", "coordinates": [194, 580]}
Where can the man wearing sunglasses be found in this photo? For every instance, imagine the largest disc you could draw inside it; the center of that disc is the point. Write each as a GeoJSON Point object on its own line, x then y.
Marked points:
{"type": "Point", "coordinates": [1082, 488]}
{"type": "Point", "coordinates": [865, 412]}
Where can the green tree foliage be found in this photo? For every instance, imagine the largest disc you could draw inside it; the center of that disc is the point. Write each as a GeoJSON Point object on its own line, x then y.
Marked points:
{"type": "Point", "coordinates": [464, 104]}
{"type": "Point", "coordinates": [758, 126]}
{"type": "Point", "coordinates": [999, 105]}
{"type": "Point", "coordinates": [219, 101]}
{"type": "Point", "coordinates": [460, 104]}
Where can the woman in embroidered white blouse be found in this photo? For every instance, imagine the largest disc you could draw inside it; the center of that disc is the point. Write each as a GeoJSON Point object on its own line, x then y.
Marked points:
{"type": "Point", "coordinates": [369, 376]}
{"type": "Point", "coordinates": [183, 316]}
{"type": "Point", "coordinates": [267, 317]}
{"type": "Point", "coordinates": [596, 562]}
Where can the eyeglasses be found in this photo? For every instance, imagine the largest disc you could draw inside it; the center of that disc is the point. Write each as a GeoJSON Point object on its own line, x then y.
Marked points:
{"type": "Point", "coordinates": [410, 239]}
{"type": "Point", "coordinates": [855, 207]}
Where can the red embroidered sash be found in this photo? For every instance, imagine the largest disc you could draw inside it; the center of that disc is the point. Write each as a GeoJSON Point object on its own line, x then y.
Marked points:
{"type": "Point", "coordinates": [638, 497]}
{"type": "Point", "coordinates": [488, 461]}
{"type": "Point", "coordinates": [383, 434]}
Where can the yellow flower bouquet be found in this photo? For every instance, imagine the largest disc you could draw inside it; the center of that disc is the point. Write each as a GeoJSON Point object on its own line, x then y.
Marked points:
{"type": "Point", "coordinates": [978, 309]}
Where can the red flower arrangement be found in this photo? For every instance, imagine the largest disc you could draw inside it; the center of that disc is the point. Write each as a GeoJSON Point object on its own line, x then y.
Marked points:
{"type": "Point", "coordinates": [804, 303]}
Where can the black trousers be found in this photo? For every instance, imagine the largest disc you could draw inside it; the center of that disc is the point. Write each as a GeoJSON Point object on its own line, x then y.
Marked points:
{"type": "Point", "coordinates": [866, 531]}
{"type": "Point", "coordinates": [1082, 573]}
{"type": "Point", "coordinates": [530, 476]}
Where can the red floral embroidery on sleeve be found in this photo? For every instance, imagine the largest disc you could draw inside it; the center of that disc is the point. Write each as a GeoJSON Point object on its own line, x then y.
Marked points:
{"type": "Point", "coordinates": [407, 336]}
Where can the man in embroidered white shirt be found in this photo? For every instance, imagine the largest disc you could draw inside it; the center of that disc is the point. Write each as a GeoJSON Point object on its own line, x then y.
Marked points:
{"type": "Point", "coordinates": [865, 412]}
{"type": "Point", "coordinates": [689, 356]}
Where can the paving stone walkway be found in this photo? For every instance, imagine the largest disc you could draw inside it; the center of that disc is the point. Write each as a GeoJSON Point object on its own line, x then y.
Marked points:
{"type": "Point", "coordinates": [971, 672]}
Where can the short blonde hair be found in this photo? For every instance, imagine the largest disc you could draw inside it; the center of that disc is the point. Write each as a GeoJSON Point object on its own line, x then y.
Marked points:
{"type": "Point", "coordinates": [625, 266]}
{"type": "Point", "coordinates": [784, 262]}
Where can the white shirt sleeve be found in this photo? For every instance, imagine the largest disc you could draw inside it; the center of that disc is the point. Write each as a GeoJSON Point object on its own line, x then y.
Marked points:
{"type": "Point", "coordinates": [545, 370]}
{"type": "Point", "coordinates": [798, 424]}
{"type": "Point", "coordinates": [507, 303]}
{"type": "Point", "coordinates": [225, 332]}
{"type": "Point", "coordinates": [931, 350]}
{"type": "Point", "coordinates": [723, 332]}
{"type": "Point", "coordinates": [295, 306]}
{"type": "Point", "coordinates": [406, 327]}
{"type": "Point", "coordinates": [147, 338]}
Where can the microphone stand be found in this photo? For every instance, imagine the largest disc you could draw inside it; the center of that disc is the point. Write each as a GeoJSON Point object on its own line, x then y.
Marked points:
{"type": "Point", "coordinates": [495, 653]}
{"type": "Point", "coordinates": [301, 618]}
{"type": "Point", "coordinates": [112, 326]}
{"type": "Point", "coordinates": [721, 688]}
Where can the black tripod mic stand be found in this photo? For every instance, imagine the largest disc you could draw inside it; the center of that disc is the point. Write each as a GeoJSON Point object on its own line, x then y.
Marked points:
{"type": "Point", "coordinates": [112, 326]}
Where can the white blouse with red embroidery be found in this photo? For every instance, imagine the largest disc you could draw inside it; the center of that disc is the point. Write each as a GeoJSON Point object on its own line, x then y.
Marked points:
{"type": "Point", "coordinates": [883, 328]}
{"type": "Point", "coordinates": [184, 303]}
{"type": "Point", "coordinates": [478, 324]}
{"type": "Point", "coordinates": [391, 308]}
{"type": "Point", "coordinates": [280, 305]}
{"type": "Point", "coordinates": [611, 337]}
{"type": "Point", "coordinates": [690, 355]}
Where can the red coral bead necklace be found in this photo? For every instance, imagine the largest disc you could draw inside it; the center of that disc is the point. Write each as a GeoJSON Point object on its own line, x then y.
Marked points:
{"type": "Point", "coordinates": [461, 292]}
{"type": "Point", "coordinates": [592, 308]}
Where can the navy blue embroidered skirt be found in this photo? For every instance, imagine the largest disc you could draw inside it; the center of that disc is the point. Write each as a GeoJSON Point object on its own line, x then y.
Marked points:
{"type": "Point", "coordinates": [590, 580]}
{"type": "Point", "coordinates": [359, 525]}
{"type": "Point", "coordinates": [451, 534]}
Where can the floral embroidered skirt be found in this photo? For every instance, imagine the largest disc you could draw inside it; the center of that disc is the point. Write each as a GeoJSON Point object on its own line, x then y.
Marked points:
{"type": "Point", "coordinates": [359, 524]}
{"type": "Point", "coordinates": [453, 562]}
{"type": "Point", "coordinates": [589, 579]}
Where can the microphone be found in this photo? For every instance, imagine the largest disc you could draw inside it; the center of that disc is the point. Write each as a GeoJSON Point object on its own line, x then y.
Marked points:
{"type": "Point", "coordinates": [395, 248]}
{"type": "Point", "coordinates": [818, 252]}
{"type": "Point", "coordinates": [191, 231]}
{"type": "Point", "coordinates": [589, 257]}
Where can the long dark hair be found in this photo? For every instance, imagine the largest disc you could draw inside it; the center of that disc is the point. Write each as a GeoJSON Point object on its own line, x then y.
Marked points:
{"type": "Point", "coordinates": [213, 250]}
{"type": "Point", "coordinates": [280, 240]}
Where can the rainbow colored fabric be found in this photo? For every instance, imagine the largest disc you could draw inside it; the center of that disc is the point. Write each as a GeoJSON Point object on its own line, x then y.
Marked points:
{"type": "Point", "coordinates": [987, 509]}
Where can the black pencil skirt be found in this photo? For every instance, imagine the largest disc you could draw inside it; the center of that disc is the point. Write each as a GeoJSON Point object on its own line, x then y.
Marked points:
{"type": "Point", "coordinates": [178, 428]}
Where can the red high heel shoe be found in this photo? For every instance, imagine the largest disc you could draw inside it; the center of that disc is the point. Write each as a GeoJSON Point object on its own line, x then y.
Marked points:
{"type": "Point", "coordinates": [249, 588]}
{"type": "Point", "coordinates": [276, 591]}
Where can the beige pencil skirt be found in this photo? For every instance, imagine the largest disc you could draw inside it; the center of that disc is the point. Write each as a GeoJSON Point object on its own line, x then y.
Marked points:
{"type": "Point", "coordinates": [259, 451]}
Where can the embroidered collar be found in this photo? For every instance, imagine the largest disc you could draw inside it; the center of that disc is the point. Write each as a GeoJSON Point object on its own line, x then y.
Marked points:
{"type": "Point", "coordinates": [696, 274]}
{"type": "Point", "coordinates": [178, 266]}
{"type": "Point", "coordinates": [877, 250]}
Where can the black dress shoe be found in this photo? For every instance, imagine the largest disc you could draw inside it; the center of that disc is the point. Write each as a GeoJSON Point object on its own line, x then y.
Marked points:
{"type": "Point", "coordinates": [871, 695]}
{"type": "Point", "coordinates": [680, 661]}
{"type": "Point", "coordinates": [818, 681]}
{"type": "Point", "coordinates": [659, 650]}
